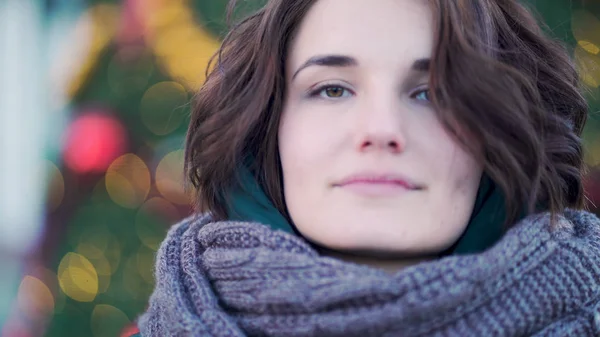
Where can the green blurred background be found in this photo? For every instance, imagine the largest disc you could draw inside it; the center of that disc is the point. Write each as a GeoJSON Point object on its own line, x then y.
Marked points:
{"type": "Point", "coordinates": [122, 75]}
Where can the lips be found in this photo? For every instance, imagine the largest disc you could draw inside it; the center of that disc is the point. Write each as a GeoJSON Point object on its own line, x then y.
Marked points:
{"type": "Point", "coordinates": [378, 183]}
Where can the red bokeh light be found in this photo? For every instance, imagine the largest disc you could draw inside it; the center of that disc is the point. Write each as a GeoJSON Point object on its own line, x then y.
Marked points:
{"type": "Point", "coordinates": [93, 141]}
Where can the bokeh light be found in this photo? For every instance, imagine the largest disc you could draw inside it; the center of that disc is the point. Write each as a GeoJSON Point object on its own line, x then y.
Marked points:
{"type": "Point", "coordinates": [107, 321]}
{"type": "Point", "coordinates": [161, 107]}
{"type": "Point", "coordinates": [128, 181]}
{"type": "Point", "coordinates": [78, 278]}
{"type": "Point", "coordinates": [145, 258]}
{"type": "Point", "coordinates": [169, 178]}
{"type": "Point", "coordinates": [586, 30]}
{"type": "Point", "coordinates": [93, 141]}
{"type": "Point", "coordinates": [92, 241]}
{"type": "Point", "coordinates": [56, 186]}
{"type": "Point", "coordinates": [182, 46]}
{"type": "Point", "coordinates": [150, 221]}
{"type": "Point", "coordinates": [104, 271]}
{"type": "Point", "coordinates": [48, 277]}
{"type": "Point", "coordinates": [133, 283]}
{"type": "Point", "coordinates": [588, 66]}
{"type": "Point", "coordinates": [35, 298]}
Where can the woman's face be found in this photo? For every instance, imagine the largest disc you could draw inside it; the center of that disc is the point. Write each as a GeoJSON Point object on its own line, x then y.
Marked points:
{"type": "Point", "coordinates": [367, 165]}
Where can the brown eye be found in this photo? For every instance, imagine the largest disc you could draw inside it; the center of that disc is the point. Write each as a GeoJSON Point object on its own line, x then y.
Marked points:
{"type": "Point", "coordinates": [334, 92]}
{"type": "Point", "coordinates": [330, 92]}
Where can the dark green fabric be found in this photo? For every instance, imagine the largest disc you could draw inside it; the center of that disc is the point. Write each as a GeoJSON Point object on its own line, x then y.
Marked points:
{"type": "Point", "coordinates": [485, 227]}
{"type": "Point", "coordinates": [249, 203]}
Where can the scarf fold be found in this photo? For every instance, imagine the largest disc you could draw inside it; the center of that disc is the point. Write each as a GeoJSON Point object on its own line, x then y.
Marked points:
{"type": "Point", "coordinates": [245, 279]}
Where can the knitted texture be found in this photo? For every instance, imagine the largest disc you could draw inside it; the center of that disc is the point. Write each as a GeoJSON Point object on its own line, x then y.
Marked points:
{"type": "Point", "coordinates": [244, 279]}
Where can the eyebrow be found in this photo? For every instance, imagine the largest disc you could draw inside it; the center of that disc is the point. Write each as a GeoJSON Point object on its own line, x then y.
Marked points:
{"type": "Point", "coordinates": [419, 65]}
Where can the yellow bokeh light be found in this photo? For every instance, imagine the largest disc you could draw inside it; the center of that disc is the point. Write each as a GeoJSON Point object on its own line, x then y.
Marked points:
{"type": "Point", "coordinates": [108, 321]}
{"type": "Point", "coordinates": [56, 186]}
{"type": "Point", "coordinates": [169, 178]}
{"type": "Point", "coordinates": [158, 15]}
{"type": "Point", "coordinates": [586, 30]}
{"type": "Point", "coordinates": [128, 181]}
{"type": "Point", "coordinates": [182, 46]}
{"type": "Point", "coordinates": [152, 219]}
{"type": "Point", "coordinates": [78, 278]}
{"type": "Point", "coordinates": [161, 107]}
{"type": "Point", "coordinates": [93, 241]}
{"type": "Point", "coordinates": [589, 47]}
{"type": "Point", "coordinates": [588, 66]}
{"type": "Point", "coordinates": [35, 298]}
{"type": "Point", "coordinates": [104, 271]}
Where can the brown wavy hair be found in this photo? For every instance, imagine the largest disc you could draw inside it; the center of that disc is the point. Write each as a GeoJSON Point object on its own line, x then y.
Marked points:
{"type": "Point", "coordinates": [494, 75]}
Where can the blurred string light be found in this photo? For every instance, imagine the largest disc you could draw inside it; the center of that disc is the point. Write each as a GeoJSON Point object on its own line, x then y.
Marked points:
{"type": "Point", "coordinates": [128, 181]}
{"type": "Point", "coordinates": [182, 46]}
{"type": "Point", "coordinates": [93, 141]}
{"type": "Point", "coordinates": [78, 278]}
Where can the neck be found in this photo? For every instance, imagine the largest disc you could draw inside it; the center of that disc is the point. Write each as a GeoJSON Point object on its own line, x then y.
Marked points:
{"type": "Point", "coordinates": [389, 264]}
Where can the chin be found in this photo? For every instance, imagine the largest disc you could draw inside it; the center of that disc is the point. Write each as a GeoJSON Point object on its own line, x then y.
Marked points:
{"type": "Point", "coordinates": [377, 236]}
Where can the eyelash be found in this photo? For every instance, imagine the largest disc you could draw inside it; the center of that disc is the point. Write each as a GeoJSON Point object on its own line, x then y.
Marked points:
{"type": "Point", "coordinates": [316, 92]}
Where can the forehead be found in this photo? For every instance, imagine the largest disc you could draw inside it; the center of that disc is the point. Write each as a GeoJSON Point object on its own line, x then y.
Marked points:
{"type": "Point", "coordinates": [384, 32]}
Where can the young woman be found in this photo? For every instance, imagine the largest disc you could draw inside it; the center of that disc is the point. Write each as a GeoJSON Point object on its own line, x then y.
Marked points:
{"type": "Point", "coordinates": [387, 168]}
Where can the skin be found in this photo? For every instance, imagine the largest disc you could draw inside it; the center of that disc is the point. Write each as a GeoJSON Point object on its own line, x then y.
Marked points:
{"type": "Point", "coordinates": [360, 106]}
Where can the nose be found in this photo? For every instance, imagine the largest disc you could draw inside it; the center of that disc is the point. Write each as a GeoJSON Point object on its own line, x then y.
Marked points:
{"type": "Point", "coordinates": [380, 127]}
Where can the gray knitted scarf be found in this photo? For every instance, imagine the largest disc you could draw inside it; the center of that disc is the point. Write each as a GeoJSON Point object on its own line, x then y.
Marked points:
{"type": "Point", "coordinates": [244, 279]}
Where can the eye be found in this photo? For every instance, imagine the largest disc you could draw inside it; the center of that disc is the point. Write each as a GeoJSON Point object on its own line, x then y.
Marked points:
{"type": "Point", "coordinates": [330, 91]}
{"type": "Point", "coordinates": [421, 95]}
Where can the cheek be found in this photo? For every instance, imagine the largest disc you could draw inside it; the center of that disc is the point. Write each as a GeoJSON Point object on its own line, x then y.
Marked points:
{"type": "Point", "coordinates": [304, 141]}
{"type": "Point", "coordinates": [298, 149]}
{"type": "Point", "coordinates": [454, 164]}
